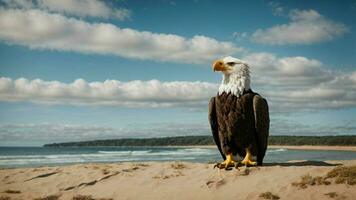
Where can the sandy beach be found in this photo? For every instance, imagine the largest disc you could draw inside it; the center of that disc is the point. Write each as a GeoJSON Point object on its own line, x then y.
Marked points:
{"type": "Point", "coordinates": [301, 147]}
{"type": "Point", "coordinates": [314, 147]}
{"type": "Point", "coordinates": [175, 180]}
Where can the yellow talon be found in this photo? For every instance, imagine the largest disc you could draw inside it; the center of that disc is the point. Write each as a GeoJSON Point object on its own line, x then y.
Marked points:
{"type": "Point", "coordinates": [248, 163]}
{"type": "Point", "coordinates": [247, 160]}
{"type": "Point", "coordinates": [229, 162]}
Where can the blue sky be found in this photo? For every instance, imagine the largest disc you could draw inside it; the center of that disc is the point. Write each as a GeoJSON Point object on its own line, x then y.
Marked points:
{"type": "Point", "coordinates": [80, 70]}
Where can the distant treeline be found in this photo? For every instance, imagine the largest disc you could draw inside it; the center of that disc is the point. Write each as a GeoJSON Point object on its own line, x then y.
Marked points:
{"type": "Point", "coordinates": [208, 140]}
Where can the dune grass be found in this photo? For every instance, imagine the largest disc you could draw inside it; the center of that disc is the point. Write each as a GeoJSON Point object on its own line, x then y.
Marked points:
{"type": "Point", "coordinates": [141, 165]}
{"type": "Point", "coordinates": [335, 195]}
{"type": "Point", "coordinates": [178, 165]}
{"type": "Point", "coordinates": [82, 197]}
{"type": "Point", "coordinates": [269, 195]}
{"type": "Point", "coordinates": [340, 175]}
{"type": "Point", "coordinates": [105, 171]}
{"type": "Point", "coordinates": [343, 175]}
{"type": "Point", "coordinates": [50, 197]}
{"type": "Point", "coordinates": [88, 197]}
{"type": "Point", "coordinates": [12, 191]}
{"type": "Point", "coordinates": [308, 180]}
{"type": "Point", "coordinates": [332, 194]}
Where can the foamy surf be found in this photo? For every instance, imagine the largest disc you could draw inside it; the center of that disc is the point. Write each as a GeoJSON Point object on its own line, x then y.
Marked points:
{"type": "Point", "coordinates": [40, 156]}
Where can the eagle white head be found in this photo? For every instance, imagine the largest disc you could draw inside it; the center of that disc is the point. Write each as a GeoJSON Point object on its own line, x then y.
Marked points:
{"type": "Point", "coordinates": [236, 75]}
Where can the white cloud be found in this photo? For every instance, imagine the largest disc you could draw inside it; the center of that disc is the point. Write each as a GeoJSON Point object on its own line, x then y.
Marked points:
{"type": "Point", "coordinates": [299, 83]}
{"type": "Point", "coordinates": [84, 8]}
{"type": "Point", "coordinates": [80, 8]}
{"type": "Point", "coordinates": [110, 92]}
{"type": "Point", "coordinates": [287, 71]}
{"type": "Point", "coordinates": [306, 27]}
{"type": "Point", "coordinates": [277, 8]}
{"type": "Point", "coordinates": [26, 4]}
{"type": "Point", "coordinates": [329, 90]}
{"type": "Point", "coordinates": [239, 35]}
{"type": "Point", "coordinates": [40, 30]}
{"type": "Point", "coordinates": [288, 83]}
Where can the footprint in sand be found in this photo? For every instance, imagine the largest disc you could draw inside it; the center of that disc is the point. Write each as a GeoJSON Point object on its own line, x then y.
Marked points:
{"type": "Point", "coordinates": [215, 183]}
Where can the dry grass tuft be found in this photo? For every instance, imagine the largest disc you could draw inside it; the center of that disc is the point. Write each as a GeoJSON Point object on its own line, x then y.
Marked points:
{"type": "Point", "coordinates": [308, 180]}
{"type": "Point", "coordinates": [335, 195]}
{"type": "Point", "coordinates": [332, 194]}
{"type": "Point", "coordinates": [269, 195]}
{"type": "Point", "coordinates": [176, 173]}
{"type": "Point", "coordinates": [88, 197]}
{"type": "Point", "coordinates": [343, 175]}
{"type": "Point", "coordinates": [178, 165]}
{"type": "Point", "coordinates": [96, 167]}
{"type": "Point", "coordinates": [12, 191]}
{"type": "Point", "coordinates": [133, 168]}
{"type": "Point", "coordinates": [321, 180]}
{"type": "Point", "coordinates": [105, 171]}
{"type": "Point", "coordinates": [51, 197]}
{"type": "Point", "coordinates": [141, 165]}
{"type": "Point", "coordinates": [82, 197]}
{"type": "Point", "coordinates": [304, 182]}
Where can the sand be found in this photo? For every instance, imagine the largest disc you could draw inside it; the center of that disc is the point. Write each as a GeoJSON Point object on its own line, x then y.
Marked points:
{"type": "Point", "coordinates": [300, 147]}
{"type": "Point", "coordinates": [171, 180]}
{"type": "Point", "coordinates": [315, 147]}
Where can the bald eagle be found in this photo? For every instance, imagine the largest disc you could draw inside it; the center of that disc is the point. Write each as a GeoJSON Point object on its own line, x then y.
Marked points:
{"type": "Point", "coordinates": [239, 117]}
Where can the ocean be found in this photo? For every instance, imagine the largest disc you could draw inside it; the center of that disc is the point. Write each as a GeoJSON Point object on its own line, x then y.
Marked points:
{"type": "Point", "coordinates": [15, 157]}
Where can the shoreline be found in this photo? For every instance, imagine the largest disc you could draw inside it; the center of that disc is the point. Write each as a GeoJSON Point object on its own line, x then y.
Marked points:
{"type": "Point", "coordinates": [315, 147]}
{"type": "Point", "coordinates": [291, 147]}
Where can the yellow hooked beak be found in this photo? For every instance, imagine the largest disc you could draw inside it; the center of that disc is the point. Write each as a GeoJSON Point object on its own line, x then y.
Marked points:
{"type": "Point", "coordinates": [218, 65]}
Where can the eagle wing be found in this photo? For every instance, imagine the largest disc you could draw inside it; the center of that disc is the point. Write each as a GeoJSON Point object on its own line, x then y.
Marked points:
{"type": "Point", "coordinates": [214, 125]}
{"type": "Point", "coordinates": [260, 108]}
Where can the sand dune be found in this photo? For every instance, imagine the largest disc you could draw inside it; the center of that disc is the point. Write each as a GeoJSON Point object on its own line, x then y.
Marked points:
{"type": "Point", "coordinates": [172, 180]}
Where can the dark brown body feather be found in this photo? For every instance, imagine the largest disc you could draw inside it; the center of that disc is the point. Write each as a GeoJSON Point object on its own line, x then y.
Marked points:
{"type": "Point", "coordinates": [238, 123]}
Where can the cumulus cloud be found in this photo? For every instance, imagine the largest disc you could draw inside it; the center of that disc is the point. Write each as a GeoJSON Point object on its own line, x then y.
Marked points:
{"type": "Point", "coordinates": [300, 83]}
{"type": "Point", "coordinates": [80, 8]}
{"type": "Point", "coordinates": [305, 27]}
{"type": "Point", "coordinates": [110, 92]}
{"type": "Point", "coordinates": [287, 71]}
{"type": "Point", "coordinates": [41, 30]}
{"type": "Point", "coordinates": [330, 90]}
{"type": "Point", "coordinates": [85, 8]}
{"type": "Point", "coordinates": [26, 4]}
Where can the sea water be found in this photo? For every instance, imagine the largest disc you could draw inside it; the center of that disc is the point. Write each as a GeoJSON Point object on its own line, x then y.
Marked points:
{"type": "Point", "coordinates": [13, 157]}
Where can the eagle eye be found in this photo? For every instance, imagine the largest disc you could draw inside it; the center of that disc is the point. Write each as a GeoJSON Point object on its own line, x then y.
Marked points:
{"type": "Point", "coordinates": [231, 63]}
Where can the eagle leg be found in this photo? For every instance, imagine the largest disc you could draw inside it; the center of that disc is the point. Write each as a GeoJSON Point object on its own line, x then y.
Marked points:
{"type": "Point", "coordinates": [229, 162]}
{"type": "Point", "coordinates": [247, 161]}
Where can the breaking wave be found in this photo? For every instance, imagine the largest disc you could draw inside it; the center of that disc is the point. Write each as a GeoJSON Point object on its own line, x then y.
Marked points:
{"type": "Point", "coordinates": [153, 154]}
